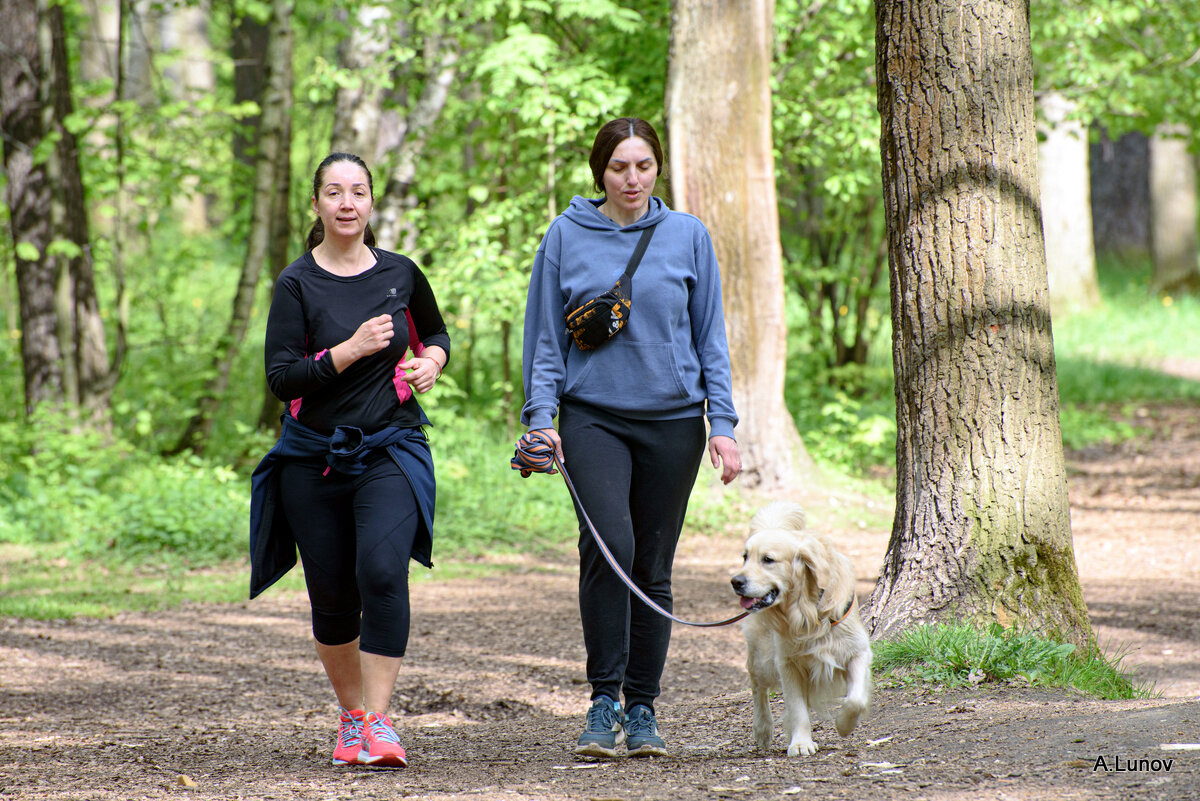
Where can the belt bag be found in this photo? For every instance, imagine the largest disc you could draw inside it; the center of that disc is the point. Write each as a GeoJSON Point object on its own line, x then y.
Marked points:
{"type": "Point", "coordinates": [598, 320]}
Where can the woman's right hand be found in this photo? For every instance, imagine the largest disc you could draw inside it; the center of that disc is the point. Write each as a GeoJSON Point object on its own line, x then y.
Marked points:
{"type": "Point", "coordinates": [552, 435]}
{"type": "Point", "coordinates": [371, 337]}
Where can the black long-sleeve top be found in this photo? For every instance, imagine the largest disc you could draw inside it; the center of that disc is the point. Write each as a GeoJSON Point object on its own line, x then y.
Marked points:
{"type": "Point", "coordinates": [313, 310]}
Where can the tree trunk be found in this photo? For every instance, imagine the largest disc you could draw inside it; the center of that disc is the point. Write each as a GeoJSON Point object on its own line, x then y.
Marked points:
{"type": "Point", "coordinates": [1066, 207]}
{"type": "Point", "coordinates": [278, 256]}
{"type": "Point", "coordinates": [87, 342]}
{"type": "Point", "coordinates": [276, 109]}
{"type": "Point", "coordinates": [185, 34]}
{"type": "Point", "coordinates": [29, 194]}
{"type": "Point", "coordinates": [248, 48]}
{"type": "Point", "coordinates": [982, 528]}
{"type": "Point", "coordinates": [359, 105]}
{"type": "Point", "coordinates": [722, 170]}
{"type": "Point", "coordinates": [1119, 172]}
{"type": "Point", "coordinates": [394, 228]}
{"type": "Point", "coordinates": [1173, 212]}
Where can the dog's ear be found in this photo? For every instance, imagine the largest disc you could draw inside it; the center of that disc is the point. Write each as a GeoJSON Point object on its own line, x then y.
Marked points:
{"type": "Point", "coordinates": [810, 562]}
{"type": "Point", "coordinates": [829, 574]}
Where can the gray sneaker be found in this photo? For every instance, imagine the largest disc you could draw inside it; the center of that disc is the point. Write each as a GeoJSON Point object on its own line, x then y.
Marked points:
{"type": "Point", "coordinates": [641, 733]}
{"type": "Point", "coordinates": [604, 731]}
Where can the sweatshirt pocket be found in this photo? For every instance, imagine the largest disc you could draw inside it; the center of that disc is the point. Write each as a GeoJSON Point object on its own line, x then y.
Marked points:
{"type": "Point", "coordinates": [627, 375]}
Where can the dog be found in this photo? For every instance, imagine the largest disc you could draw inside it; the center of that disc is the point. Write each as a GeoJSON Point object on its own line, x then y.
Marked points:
{"type": "Point", "coordinates": [805, 635]}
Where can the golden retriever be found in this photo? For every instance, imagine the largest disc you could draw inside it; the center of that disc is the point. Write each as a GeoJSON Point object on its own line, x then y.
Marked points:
{"type": "Point", "coordinates": [805, 636]}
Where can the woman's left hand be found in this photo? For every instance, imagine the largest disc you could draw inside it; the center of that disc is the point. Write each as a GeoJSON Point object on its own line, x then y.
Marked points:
{"type": "Point", "coordinates": [724, 454]}
{"type": "Point", "coordinates": [423, 371]}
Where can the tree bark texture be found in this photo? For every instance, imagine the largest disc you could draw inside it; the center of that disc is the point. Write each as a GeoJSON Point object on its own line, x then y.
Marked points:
{"type": "Point", "coordinates": [28, 194]}
{"type": "Point", "coordinates": [1066, 207]}
{"type": "Point", "coordinates": [982, 527]}
{"type": "Point", "coordinates": [273, 139]}
{"type": "Point", "coordinates": [405, 141]}
{"type": "Point", "coordinates": [87, 343]}
{"type": "Point", "coordinates": [1173, 241]}
{"type": "Point", "coordinates": [359, 105]}
{"type": "Point", "coordinates": [721, 163]}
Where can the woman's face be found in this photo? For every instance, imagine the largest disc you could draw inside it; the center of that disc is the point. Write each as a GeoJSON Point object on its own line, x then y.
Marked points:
{"type": "Point", "coordinates": [629, 178]}
{"type": "Point", "coordinates": [344, 201]}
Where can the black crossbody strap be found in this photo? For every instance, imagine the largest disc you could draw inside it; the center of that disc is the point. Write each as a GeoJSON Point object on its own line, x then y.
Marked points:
{"type": "Point", "coordinates": [636, 258]}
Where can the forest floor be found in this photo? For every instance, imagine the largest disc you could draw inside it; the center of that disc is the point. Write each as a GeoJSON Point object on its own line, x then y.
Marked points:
{"type": "Point", "coordinates": [228, 702]}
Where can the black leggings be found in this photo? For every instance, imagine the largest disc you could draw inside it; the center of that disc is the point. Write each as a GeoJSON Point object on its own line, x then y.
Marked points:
{"type": "Point", "coordinates": [634, 478]}
{"type": "Point", "coordinates": [355, 535]}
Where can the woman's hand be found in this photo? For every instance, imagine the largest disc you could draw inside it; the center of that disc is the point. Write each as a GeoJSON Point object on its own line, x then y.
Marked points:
{"type": "Point", "coordinates": [552, 435]}
{"type": "Point", "coordinates": [724, 454]}
{"type": "Point", "coordinates": [371, 337]}
{"type": "Point", "coordinates": [423, 372]}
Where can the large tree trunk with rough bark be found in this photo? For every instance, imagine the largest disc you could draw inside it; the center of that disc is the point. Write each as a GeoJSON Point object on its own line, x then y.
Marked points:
{"type": "Point", "coordinates": [1173, 236]}
{"type": "Point", "coordinates": [722, 170]}
{"type": "Point", "coordinates": [29, 193]}
{"type": "Point", "coordinates": [274, 138]}
{"type": "Point", "coordinates": [1067, 207]}
{"type": "Point", "coordinates": [982, 528]}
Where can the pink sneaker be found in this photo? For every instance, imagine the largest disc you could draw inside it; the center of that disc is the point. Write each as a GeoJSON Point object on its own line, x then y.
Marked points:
{"type": "Point", "coordinates": [349, 749]}
{"type": "Point", "coordinates": [381, 744]}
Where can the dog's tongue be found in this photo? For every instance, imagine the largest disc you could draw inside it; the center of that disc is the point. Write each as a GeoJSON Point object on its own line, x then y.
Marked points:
{"type": "Point", "coordinates": [748, 602]}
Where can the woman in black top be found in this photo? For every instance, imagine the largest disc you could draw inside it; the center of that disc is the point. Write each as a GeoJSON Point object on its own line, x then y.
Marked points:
{"type": "Point", "coordinates": [351, 474]}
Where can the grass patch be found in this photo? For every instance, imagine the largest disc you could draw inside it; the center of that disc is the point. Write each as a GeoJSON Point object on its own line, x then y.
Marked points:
{"type": "Point", "coordinates": [960, 655]}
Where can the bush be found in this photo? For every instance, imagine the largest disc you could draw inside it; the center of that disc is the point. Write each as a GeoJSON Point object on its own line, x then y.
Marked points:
{"type": "Point", "coordinates": [60, 484]}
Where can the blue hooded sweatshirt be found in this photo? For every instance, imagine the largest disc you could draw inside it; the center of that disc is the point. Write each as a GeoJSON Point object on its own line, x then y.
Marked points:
{"type": "Point", "coordinates": [669, 361]}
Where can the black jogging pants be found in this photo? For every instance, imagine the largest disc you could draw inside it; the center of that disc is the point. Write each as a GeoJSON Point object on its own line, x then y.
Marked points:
{"type": "Point", "coordinates": [634, 478]}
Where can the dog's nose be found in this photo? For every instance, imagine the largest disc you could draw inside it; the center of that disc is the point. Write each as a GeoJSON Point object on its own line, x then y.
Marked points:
{"type": "Point", "coordinates": [739, 584]}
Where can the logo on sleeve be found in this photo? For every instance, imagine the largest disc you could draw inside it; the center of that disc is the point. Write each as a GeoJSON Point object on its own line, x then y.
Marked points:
{"type": "Point", "coordinates": [392, 292]}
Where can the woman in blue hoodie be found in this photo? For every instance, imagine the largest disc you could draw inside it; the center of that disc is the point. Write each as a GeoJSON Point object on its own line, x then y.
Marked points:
{"type": "Point", "coordinates": [630, 413]}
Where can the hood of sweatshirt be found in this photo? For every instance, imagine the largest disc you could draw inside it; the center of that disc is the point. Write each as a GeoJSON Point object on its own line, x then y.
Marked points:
{"type": "Point", "coordinates": [586, 212]}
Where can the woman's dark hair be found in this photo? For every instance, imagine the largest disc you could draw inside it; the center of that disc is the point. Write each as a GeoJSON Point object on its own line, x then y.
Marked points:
{"type": "Point", "coordinates": [613, 133]}
{"type": "Point", "coordinates": [317, 232]}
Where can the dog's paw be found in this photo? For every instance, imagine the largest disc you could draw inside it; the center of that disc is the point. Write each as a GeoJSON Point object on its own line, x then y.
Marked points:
{"type": "Point", "coordinates": [802, 748]}
{"type": "Point", "coordinates": [847, 717]}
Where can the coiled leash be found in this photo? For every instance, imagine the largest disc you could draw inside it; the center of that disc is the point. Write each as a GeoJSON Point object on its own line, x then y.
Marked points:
{"type": "Point", "coordinates": [535, 454]}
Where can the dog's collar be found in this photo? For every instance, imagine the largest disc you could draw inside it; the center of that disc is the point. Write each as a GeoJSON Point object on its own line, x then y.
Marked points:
{"type": "Point", "coordinates": [849, 606]}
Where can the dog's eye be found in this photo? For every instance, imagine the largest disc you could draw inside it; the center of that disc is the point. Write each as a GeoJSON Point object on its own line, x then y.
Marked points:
{"type": "Point", "coordinates": [768, 560]}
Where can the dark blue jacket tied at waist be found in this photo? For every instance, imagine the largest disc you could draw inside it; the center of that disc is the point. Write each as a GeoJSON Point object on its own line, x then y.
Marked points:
{"type": "Point", "coordinates": [272, 543]}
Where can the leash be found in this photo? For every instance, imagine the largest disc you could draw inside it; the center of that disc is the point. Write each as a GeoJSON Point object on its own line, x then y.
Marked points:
{"type": "Point", "coordinates": [535, 454]}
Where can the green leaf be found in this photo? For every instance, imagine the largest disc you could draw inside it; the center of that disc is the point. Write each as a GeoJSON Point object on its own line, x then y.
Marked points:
{"type": "Point", "coordinates": [27, 251]}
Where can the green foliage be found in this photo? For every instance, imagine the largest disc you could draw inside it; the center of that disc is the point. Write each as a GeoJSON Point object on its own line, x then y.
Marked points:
{"type": "Point", "coordinates": [846, 416]}
{"type": "Point", "coordinates": [108, 500]}
{"type": "Point", "coordinates": [1130, 64]}
{"type": "Point", "coordinates": [961, 655]}
{"type": "Point", "coordinates": [826, 131]}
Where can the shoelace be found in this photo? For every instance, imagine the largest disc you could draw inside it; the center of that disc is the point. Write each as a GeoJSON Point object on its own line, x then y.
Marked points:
{"type": "Point", "coordinates": [641, 723]}
{"type": "Point", "coordinates": [601, 718]}
{"type": "Point", "coordinates": [381, 729]}
{"type": "Point", "coordinates": [350, 730]}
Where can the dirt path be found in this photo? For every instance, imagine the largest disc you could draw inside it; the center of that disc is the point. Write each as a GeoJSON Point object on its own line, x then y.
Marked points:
{"type": "Point", "coordinates": [228, 702]}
